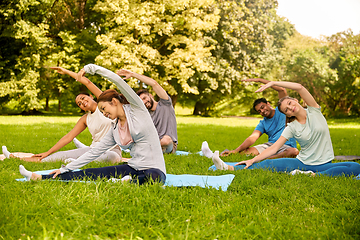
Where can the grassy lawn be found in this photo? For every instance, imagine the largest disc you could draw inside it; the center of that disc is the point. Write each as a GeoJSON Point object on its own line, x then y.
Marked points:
{"type": "Point", "coordinates": [259, 204]}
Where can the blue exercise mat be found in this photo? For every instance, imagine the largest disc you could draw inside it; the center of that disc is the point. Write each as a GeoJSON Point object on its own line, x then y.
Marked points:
{"type": "Point", "coordinates": [178, 152]}
{"type": "Point", "coordinates": [188, 180]}
{"type": "Point", "coordinates": [228, 163]}
{"type": "Point", "coordinates": [185, 180]}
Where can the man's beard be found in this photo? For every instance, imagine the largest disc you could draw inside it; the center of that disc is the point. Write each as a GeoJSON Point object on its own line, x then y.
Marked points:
{"type": "Point", "coordinates": [150, 105]}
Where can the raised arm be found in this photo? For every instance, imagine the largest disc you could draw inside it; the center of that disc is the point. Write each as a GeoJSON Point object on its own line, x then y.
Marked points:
{"type": "Point", "coordinates": [78, 128]}
{"type": "Point", "coordinates": [304, 93]}
{"type": "Point", "coordinates": [124, 88]}
{"type": "Point", "coordinates": [246, 144]}
{"type": "Point", "coordinates": [148, 81]}
{"type": "Point", "coordinates": [91, 86]}
{"type": "Point", "coordinates": [281, 91]}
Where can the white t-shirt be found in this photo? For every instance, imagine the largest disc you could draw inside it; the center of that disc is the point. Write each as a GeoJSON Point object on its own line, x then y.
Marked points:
{"type": "Point", "coordinates": [313, 137]}
{"type": "Point", "coordinates": [98, 126]}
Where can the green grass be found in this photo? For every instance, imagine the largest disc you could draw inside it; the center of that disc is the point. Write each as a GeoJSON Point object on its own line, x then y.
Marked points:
{"type": "Point", "coordinates": [259, 204]}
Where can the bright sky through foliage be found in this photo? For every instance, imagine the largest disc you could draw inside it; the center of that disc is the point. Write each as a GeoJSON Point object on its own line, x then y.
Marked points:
{"type": "Point", "coordinates": [321, 17]}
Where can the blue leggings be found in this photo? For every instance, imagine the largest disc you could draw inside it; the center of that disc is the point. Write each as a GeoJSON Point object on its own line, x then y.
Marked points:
{"type": "Point", "coordinates": [289, 164]}
{"type": "Point", "coordinates": [140, 177]}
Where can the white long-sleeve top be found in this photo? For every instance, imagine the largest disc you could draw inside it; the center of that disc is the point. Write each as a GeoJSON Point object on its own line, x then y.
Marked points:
{"type": "Point", "coordinates": [146, 150]}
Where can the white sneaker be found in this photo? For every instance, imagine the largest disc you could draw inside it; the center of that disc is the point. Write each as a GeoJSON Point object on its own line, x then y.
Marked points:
{"type": "Point", "coordinates": [297, 171]}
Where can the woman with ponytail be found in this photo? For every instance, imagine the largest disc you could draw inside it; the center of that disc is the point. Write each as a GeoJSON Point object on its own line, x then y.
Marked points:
{"type": "Point", "coordinates": [309, 128]}
{"type": "Point", "coordinates": [93, 120]}
{"type": "Point", "coordinates": [133, 129]}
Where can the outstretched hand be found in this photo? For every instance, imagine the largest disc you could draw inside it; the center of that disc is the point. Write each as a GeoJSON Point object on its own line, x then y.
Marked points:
{"type": "Point", "coordinates": [59, 70]}
{"type": "Point", "coordinates": [123, 72]}
{"type": "Point", "coordinates": [55, 172]}
{"type": "Point", "coordinates": [248, 163]}
{"type": "Point", "coordinates": [80, 75]}
{"type": "Point", "coordinates": [263, 87]}
{"type": "Point", "coordinates": [41, 155]}
{"type": "Point", "coordinates": [227, 153]}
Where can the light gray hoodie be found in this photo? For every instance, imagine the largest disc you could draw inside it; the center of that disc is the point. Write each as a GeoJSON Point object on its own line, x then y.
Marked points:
{"type": "Point", "coordinates": [146, 150]}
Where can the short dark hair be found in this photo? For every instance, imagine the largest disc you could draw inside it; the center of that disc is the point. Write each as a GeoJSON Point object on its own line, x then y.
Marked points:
{"type": "Point", "coordinates": [259, 100]}
{"type": "Point", "coordinates": [141, 91]}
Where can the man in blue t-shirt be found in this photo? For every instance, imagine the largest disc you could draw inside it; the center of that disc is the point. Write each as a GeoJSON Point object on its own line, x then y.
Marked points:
{"type": "Point", "coordinates": [273, 125]}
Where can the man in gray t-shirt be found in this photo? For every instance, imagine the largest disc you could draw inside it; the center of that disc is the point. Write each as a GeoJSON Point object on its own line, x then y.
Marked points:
{"type": "Point", "coordinates": [162, 112]}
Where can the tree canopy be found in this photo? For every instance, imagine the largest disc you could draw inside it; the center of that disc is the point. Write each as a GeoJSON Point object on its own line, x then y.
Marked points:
{"type": "Point", "coordinates": [197, 50]}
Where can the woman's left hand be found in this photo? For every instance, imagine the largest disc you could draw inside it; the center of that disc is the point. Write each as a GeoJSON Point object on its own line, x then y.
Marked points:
{"type": "Point", "coordinates": [263, 87]}
{"type": "Point", "coordinates": [248, 163]}
{"type": "Point", "coordinates": [55, 172]}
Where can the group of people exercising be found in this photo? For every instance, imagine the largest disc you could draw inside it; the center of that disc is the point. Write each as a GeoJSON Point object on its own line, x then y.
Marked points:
{"type": "Point", "coordinates": [147, 128]}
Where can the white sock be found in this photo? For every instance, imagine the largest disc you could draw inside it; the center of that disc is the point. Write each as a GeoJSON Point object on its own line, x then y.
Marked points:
{"type": "Point", "coordinates": [206, 150]}
{"type": "Point", "coordinates": [78, 144]}
{"type": "Point", "coordinates": [6, 152]}
{"type": "Point", "coordinates": [123, 179]}
{"type": "Point", "coordinates": [27, 174]}
{"type": "Point", "coordinates": [297, 171]}
{"type": "Point", "coordinates": [219, 164]}
{"type": "Point", "coordinates": [126, 178]}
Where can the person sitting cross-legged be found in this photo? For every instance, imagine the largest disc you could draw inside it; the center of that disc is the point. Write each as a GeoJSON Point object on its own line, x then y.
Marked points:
{"type": "Point", "coordinates": [309, 128]}
{"type": "Point", "coordinates": [272, 124]}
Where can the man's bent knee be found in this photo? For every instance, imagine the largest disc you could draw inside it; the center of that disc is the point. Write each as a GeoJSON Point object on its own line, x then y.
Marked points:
{"type": "Point", "coordinates": [251, 151]}
{"type": "Point", "coordinates": [166, 140]}
{"type": "Point", "coordinates": [291, 152]}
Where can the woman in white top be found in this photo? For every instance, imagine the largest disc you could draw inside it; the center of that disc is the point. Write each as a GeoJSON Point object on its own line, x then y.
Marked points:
{"type": "Point", "coordinates": [310, 129]}
{"type": "Point", "coordinates": [94, 120]}
{"type": "Point", "coordinates": [133, 129]}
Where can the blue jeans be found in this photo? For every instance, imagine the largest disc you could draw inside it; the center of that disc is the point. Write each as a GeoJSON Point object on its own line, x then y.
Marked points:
{"type": "Point", "coordinates": [140, 177]}
{"type": "Point", "coordinates": [289, 164]}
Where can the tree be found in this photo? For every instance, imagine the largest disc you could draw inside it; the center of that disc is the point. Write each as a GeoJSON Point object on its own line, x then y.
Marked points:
{"type": "Point", "coordinates": [22, 24]}
{"type": "Point", "coordinates": [161, 39]}
{"type": "Point", "coordinates": [37, 34]}
{"type": "Point", "coordinates": [240, 38]}
{"type": "Point", "coordinates": [312, 70]}
{"type": "Point", "coordinates": [345, 48]}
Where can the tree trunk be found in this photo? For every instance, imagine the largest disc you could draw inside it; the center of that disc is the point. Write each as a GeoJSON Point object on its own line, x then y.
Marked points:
{"type": "Point", "coordinates": [47, 104]}
{"type": "Point", "coordinates": [81, 6]}
{"type": "Point", "coordinates": [200, 109]}
{"type": "Point", "coordinates": [174, 99]}
{"type": "Point", "coordinates": [59, 105]}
